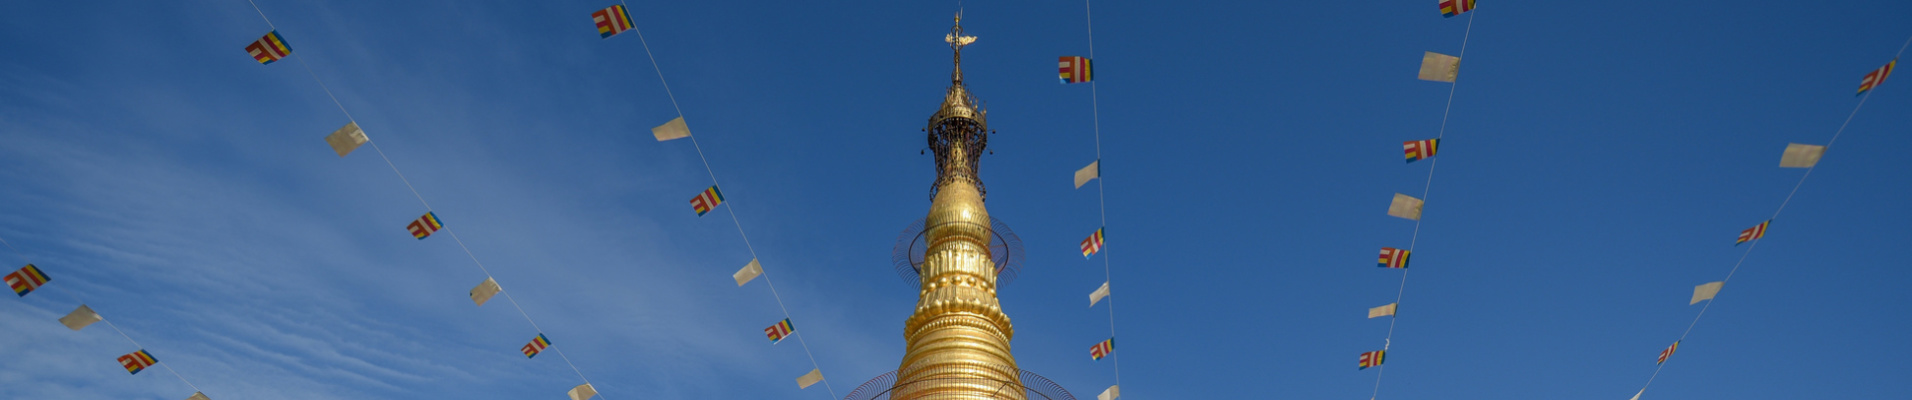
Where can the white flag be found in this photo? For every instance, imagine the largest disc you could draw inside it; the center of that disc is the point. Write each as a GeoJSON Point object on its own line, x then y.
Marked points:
{"type": "Point", "coordinates": [199, 396]}
{"type": "Point", "coordinates": [804, 382]}
{"type": "Point", "coordinates": [1405, 206]}
{"type": "Point", "coordinates": [671, 130]}
{"type": "Point", "coordinates": [1636, 396]}
{"type": "Point", "coordinates": [1801, 155]}
{"type": "Point", "coordinates": [1383, 311]}
{"type": "Point", "coordinates": [80, 318]}
{"type": "Point", "coordinates": [1113, 392]}
{"type": "Point", "coordinates": [484, 291]}
{"type": "Point", "coordinates": [749, 272]}
{"type": "Point", "coordinates": [1098, 294]}
{"type": "Point", "coordinates": [583, 392]}
{"type": "Point", "coordinates": [1439, 67]}
{"type": "Point", "coordinates": [1706, 291]}
{"type": "Point", "coordinates": [346, 139]}
{"type": "Point", "coordinates": [1084, 175]}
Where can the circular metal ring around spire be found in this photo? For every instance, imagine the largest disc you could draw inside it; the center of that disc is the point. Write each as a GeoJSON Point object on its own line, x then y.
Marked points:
{"type": "Point", "coordinates": [1005, 249]}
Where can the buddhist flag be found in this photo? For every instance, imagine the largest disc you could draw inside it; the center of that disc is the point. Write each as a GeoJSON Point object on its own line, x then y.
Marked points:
{"type": "Point", "coordinates": [1450, 8]}
{"type": "Point", "coordinates": [137, 361]}
{"type": "Point", "coordinates": [1084, 175]}
{"type": "Point", "coordinates": [804, 382]}
{"type": "Point", "coordinates": [1668, 352]}
{"type": "Point", "coordinates": [671, 130]}
{"type": "Point", "coordinates": [1801, 155]}
{"type": "Point", "coordinates": [1753, 233]}
{"type": "Point", "coordinates": [1102, 349]}
{"type": "Point", "coordinates": [26, 279]}
{"type": "Point", "coordinates": [1439, 67]}
{"type": "Point", "coordinates": [1393, 257]}
{"type": "Point", "coordinates": [536, 346]}
{"type": "Point", "coordinates": [346, 139]}
{"type": "Point", "coordinates": [706, 201]}
{"type": "Point", "coordinates": [1706, 292]}
{"type": "Point", "coordinates": [1112, 393]}
{"type": "Point", "coordinates": [1405, 206]}
{"type": "Point", "coordinates": [1098, 294]}
{"type": "Point", "coordinates": [749, 272]}
{"type": "Point", "coordinates": [199, 396]}
{"type": "Point", "coordinates": [1877, 76]}
{"type": "Point", "coordinates": [269, 48]}
{"type": "Point", "coordinates": [425, 225]}
{"type": "Point", "coordinates": [80, 318]}
{"type": "Point", "coordinates": [1420, 149]}
{"type": "Point", "coordinates": [1372, 358]}
{"type": "Point", "coordinates": [611, 21]}
{"type": "Point", "coordinates": [1073, 69]}
{"type": "Point", "coordinates": [781, 330]}
{"type": "Point", "coordinates": [1092, 244]}
{"type": "Point", "coordinates": [485, 290]}
{"type": "Point", "coordinates": [1383, 311]}
{"type": "Point", "coordinates": [583, 392]}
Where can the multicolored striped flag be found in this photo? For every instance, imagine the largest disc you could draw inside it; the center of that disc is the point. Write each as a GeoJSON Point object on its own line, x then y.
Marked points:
{"type": "Point", "coordinates": [26, 279]}
{"type": "Point", "coordinates": [1877, 76]}
{"type": "Point", "coordinates": [536, 346]}
{"type": "Point", "coordinates": [1102, 349]}
{"type": "Point", "coordinates": [1393, 257]}
{"type": "Point", "coordinates": [425, 225]}
{"type": "Point", "coordinates": [781, 330]}
{"type": "Point", "coordinates": [611, 21]}
{"type": "Point", "coordinates": [1450, 8]}
{"type": "Point", "coordinates": [706, 201]}
{"type": "Point", "coordinates": [1668, 352]}
{"type": "Point", "coordinates": [270, 48]}
{"type": "Point", "coordinates": [1073, 69]}
{"type": "Point", "coordinates": [1093, 244]}
{"type": "Point", "coordinates": [1372, 358]}
{"type": "Point", "coordinates": [1753, 233]}
{"type": "Point", "coordinates": [137, 361]}
{"type": "Point", "coordinates": [1420, 149]}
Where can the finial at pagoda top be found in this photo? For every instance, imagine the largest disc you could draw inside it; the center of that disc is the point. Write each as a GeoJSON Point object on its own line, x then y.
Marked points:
{"type": "Point", "coordinates": [955, 37]}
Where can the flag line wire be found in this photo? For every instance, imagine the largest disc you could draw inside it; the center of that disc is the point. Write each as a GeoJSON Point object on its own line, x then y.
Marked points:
{"type": "Point", "coordinates": [1101, 183]}
{"type": "Point", "coordinates": [109, 323]}
{"type": "Point", "coordinates": [732, 208]}
{"type": "Point", "coordinates": [1427, 188]}
{"type": "Point", "coordinates": [1782, 208]}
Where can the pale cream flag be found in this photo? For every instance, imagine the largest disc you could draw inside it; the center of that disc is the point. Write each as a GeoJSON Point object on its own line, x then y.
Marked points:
{"type": "Point", "coordinates": [1113, 392]}
{"type": "Point", "coordinates": [1439, 67]}
{"type": "Point", "coordinates": [1636, 396]}
{"type": "Point", "coordinates": [749, 272]}
{"type": "Point", "coordinates": [671, 130]}
{"type": "Point", "coordinates": [199, 396]}
{"type": "Point", "coordinates": [80, 318]}
{"type": "Point", "coordinates": [1405, 206]}
{"type": "Point", "coordinates": [1084, 175]}
{"type": "Point", "coordinates": [583, 392]}
{"type": "Point", "coordinates": [1383, 311]}
{"type": "Point", "coordinates": [346, 139]}
{"type": "Point", "coordinates": [484, 291]}
{"type": "Point", "coordinates": [1098, 294]}
{"type": "Point", "coordinates": [1706, 291]}
{"type": "Point", "coordinates": [1801, 155]}
{"type": "Point", "coordinates": [804, 382]}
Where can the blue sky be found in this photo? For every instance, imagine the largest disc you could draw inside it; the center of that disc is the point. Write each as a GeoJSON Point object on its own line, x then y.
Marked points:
{"type": "Point", "coordinates": [1598, 163]}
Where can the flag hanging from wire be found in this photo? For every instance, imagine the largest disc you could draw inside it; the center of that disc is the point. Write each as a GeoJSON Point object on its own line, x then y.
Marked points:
{"type": "Point", "coordinates": [137, 361]}
{"type": "Point", "coordinates": [1112, 393]}
{"type": "Point", "coordinates": [536, 346]}
{"type": "Point", "coordinates": [199, 396]}
{"type": "Point", "coordinates": [1450, 8]}
{"type": "Point", "coordinates": [1086, 174]}
{"type": "Point", "coordinates": [1383, 311]}
{"type": "Point", "coordinates": [1801, 155]}
{"type": "Point", "coordinates": [1877, 76]}
{"type": "Point", "coordinates": [748, 273]}
{"type": "Point", "coordinates": [1393, 257]}
{"type": "Point", "coordinates": [26, 279]}
{"type": "Point", "coordinates": [483, 292]}
{"type": "Point", "coordinates": [706, 201]}
{"type": "Point", "coordinates": [1098, 294]}
{"type": "Point", "coordinates": [80, 318]}
{"type": "Point", "coordinates": [269, 48]}
{"type": "Point", "coordinates": [1706, 292]}
{"type": "Point", "coordinates": [1668, 352]}
{"type": "Point", "coordinates": [1753, 233]}
{"type": "Point", "coordinates": [783, 329]}
{"type": "Point", "coordinates": [1636, 395]}
{"type": "Point", "coordinates": [611, 21]}
{"type": "Point", "coordinates": [1420, 149]}
{"type": "Point", "coordinates": [1073, 69]}
{"type": "Point", "coordinates": [804, 382]}
{"type": "Point", "coordinates": [1405, 206]}
{"type": "Point", "coordinates": [1092, 244]}
{"type": "Point", "coordinates": [425, 225]}
{"type": "Point", "coordinates": [1372, 358]}
{"type": "Point", "coordinates": [1439, 67]}
{"type": "Point", "coordinates": [676, 129]}
{"type": "Point", "coordinates": [1102, 349]}
{"type": "Point", "coordinates": [346, 139]}
{"type": "Point", "coordinates": [582, 392]}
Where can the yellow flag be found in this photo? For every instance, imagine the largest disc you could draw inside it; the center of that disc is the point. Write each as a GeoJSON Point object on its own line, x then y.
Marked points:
{"type": "Point", "coordinates": [1084, 175]}
{"type": "Point", "coordinates": [1382, 311]}
{"type": "Point", "coordinates": [749, 272]}
{"type": "Point", "coordinates": [484, 291]}
{"type": "Point", "coordinates": [1405, 206]}
{"type": "Point", "coordinates": [804, 382]}
{"type": "Point", "coordinates": [346, 139]}
{"type": "Point", "coordinates": [1801, 155]}
{"type": "Point", "coordinates": [1439, 67]}
{"type": "Point", "coordinates": [676, 129]}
